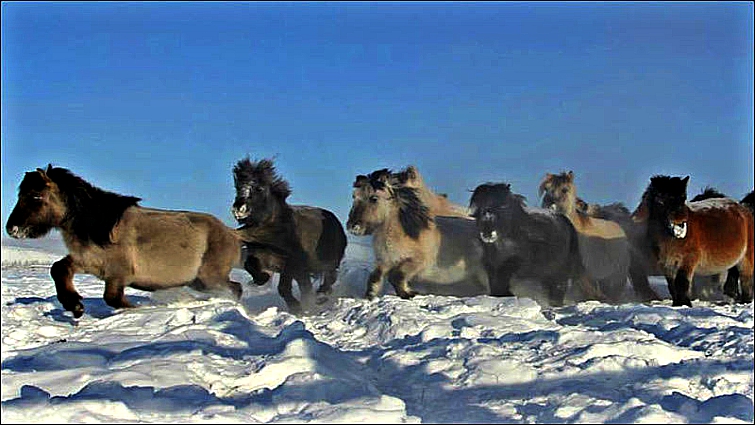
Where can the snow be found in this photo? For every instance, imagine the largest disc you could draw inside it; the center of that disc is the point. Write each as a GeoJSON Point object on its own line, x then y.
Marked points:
{"type": "Point", "coordinates": [184, 357]}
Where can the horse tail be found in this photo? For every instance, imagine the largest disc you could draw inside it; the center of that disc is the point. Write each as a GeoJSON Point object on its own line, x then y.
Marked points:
{"type": "Point", "coordinates": [331, 246]}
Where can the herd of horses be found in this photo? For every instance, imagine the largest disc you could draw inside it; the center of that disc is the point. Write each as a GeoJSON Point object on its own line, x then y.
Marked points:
{"type": "Point", "coordinates": [418, 237]}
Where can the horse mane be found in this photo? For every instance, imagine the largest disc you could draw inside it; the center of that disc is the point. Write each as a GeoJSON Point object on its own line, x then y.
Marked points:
{"type": "Point", "coordinates": [500, 193]}
{"type": "Point", "coordinates": [91, 212]}
{"type": "Point", "coordinates": [263, 172]}
{"type": "Point", "coordinates": [708, 193]}
{"type": "Point", "coordinates": [413, 214]}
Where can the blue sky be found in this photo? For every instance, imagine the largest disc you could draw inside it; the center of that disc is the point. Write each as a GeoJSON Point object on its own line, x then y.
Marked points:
{"type": "Point", "coordinates": [159, 100]}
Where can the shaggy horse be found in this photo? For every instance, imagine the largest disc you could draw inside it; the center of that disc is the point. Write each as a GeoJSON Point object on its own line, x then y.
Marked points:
{"type": "Point", "coordinates": [411, 245]}
{"type": "Point", "coordinates": [110, 236]}
{"type": "Point", "coordinates": [605, 247]}
{"type": "Point", "coordinates": [522, 242]}
{"type": "Point", "coordinates": [296, 241]}
{"type": "Point", "coordinates": [705, 237]}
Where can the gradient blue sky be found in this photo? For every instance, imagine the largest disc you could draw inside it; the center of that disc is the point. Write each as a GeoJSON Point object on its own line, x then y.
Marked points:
{"type": "Point", "coordinates": [159, 100]}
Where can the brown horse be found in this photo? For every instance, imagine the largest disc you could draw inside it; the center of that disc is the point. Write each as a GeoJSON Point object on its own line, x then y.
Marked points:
{"type": "Point", "coordinates": [108, 235]}
{"type": "Point", "coordinates": [603, 245]}
{"type": "Point", "coordinates": [412, 245]}
{"type": "Point", "coordinates": [705, 237]}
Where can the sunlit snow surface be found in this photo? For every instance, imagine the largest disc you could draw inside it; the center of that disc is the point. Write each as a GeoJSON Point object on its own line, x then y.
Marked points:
{"type": "Point", "coordinates": [182, 356]}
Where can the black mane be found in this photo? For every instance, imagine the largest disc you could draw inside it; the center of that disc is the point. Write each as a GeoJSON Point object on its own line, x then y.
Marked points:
{"type": "Point", "coordinates": [413, 214]}
{"type": "Point", "coordinates": [263, 172]}
{"type": "Point", "coordinates": [91, 212]}
{"type": "Point", "coordinates": [708, 193]}
{"type": "Point", "coordinates": [495, 195]}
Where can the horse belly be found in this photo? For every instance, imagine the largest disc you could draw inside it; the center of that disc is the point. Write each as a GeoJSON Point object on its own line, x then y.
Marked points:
{"type": "Point", "coordinates": [168, 261]}
{"type": "Point", "coordinates": [448, 275]}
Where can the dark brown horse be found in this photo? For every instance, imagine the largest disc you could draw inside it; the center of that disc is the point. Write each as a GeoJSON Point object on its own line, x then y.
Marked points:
{"type": "Point", "coordinates": [110, 236]}
{"type": "Point", "coordinates": [705, 237]}
{"type": "Point", "coordinates": [296, 241]}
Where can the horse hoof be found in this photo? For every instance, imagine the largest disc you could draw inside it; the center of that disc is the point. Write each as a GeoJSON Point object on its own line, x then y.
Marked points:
{"type": "Point", "coordinates": [407, 295]}
{"type": "Point", "coordinates": [78, 310]}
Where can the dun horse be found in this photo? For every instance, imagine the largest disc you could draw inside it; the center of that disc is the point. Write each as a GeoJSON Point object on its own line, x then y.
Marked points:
{"type": "Point", "coordinates": [522, 242]}
{"type": "Point", "coordinates": [108, 235]}
{"type": "Point", "coordinates": [295, 240]}
{"type": "Point", "coordinates": [605, 248]}
{"type": "Point", "coordinates": [411, 244]}
{"type": "Point", "coordinates": [705, 237]}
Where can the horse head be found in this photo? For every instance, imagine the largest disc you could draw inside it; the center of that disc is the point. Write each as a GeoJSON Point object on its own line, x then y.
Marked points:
{"type": "Point", "coordinates": [559, 192]}
{"type": "Point", "coordinates": [55, 197]}
{"type": "Point", "coordinates": [493, 206]}
{"type": "Point", "coordinates": [378, 198]}
{"type": "Point", "coordinates": [259, 191]}
{"type": "Point", "coordinates": [666, 199]}
{"type": "Point", "coordinates": [39, 208]}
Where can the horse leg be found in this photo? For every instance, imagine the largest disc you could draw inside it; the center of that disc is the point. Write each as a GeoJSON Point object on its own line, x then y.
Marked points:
{"type": "Point", "coordinates": [745, 271]}
{"type": "Point", "coordinates": [286, 291]}
{"type": "Point", "coordinates": [114, 296]}
{"type": "Point", "coordinates": [305, 286]}
{"type": "Point", "coordinates": [374, 282]}
{"type": "Point", "coordinates": [500, 281]}
{"type": "Point", "coordinates": [62, 272]}
{"type": "Point", "coordinates": [731, 287]}
{"type": "Point", "coordinates": [681, 285]}
{"type": "Point", "coordinates": [556, 289]}
{"type": "Point", "coordinates": [399, 277]}
{"type": "Point", "coordinates": [328, 279]}
{"type": "Point", "coordinates": [253, 265]}
{"type": "Point", "coordinates": [589, 289]}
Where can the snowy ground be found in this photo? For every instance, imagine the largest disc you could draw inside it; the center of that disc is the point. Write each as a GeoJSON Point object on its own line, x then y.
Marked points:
{"type": "Point", "coordinates": [184, 357]}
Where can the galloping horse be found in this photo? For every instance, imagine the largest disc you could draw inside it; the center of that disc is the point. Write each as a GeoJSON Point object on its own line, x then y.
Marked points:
{"type": "Point", "coordinates": [295, 240]}
{"type": "Point", "coordinates": [523, 242]}
{"type": "Point", "coordinates": [705, 237]}
{"type": "Point", "coordinates": [411, 245]}
{"type": "Point", "coordinates": [108, 235]}
{"type": "Point", "coordinates": [605, 248]}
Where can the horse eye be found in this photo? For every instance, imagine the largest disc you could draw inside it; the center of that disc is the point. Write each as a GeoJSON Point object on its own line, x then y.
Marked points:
{"type": "Point", "coordinates": [373, 199]}
{"type": "Point", "coordinates": [564, 190]}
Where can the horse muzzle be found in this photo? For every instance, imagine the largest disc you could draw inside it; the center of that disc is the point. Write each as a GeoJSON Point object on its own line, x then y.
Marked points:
{"type": "Point", "coordinates": [241, 212]}
{"type": "Point", "coordinates": [489, 237]}
{"type": "Point", "coordinates": [17, 232]}
{"type": "Point", "coordinates": [679, 230]}
{"type": "Point", "coordinates": [356, 230]}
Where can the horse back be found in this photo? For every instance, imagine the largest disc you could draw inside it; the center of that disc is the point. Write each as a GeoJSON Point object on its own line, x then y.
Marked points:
{"type": "Point", "coordinates": [723, 231]}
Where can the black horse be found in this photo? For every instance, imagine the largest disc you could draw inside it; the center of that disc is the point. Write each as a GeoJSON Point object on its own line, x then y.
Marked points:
{"type": "Point", "coordinates": [296, 241]}
{"type": "Point", "coordinates": [524, 242]}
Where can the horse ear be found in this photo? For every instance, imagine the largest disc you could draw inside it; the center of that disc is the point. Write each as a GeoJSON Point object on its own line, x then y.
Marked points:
{"type": "Point", "coordinates": [361, 180]}
{"type": "Point", "coordinates": [685, 181]}
{"type": "Point", "coordinates": [43, 173]}
{"type": "Point", "coordinates": [570, 174]}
